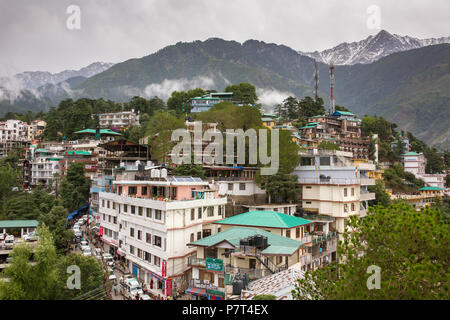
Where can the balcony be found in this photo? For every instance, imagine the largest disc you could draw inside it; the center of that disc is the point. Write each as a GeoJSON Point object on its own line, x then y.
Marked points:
{"type": "Point", "coordinates": [317, 238]}
{"type": "Point", "coordinates": [336, 181]}
{"type": "Point", "coordinates": [196, 262]}
{"type": "Point", "coordinates": [204, 284]}
{"type": "Point", "coordinates": [367, 196]}
{"type": "Point", "coordinates": [367, 182]}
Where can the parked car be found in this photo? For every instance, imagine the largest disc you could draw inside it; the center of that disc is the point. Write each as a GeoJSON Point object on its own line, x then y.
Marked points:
{"type": "Point", "coordinates": [112, 276]}
{"type": "Point", "coordinates": [77, 234]}
{"type": "Point", "coordinates": [87, 251]}
{"type": "Point", "coordinates": [9, 242]}
{"type": "Point", "coordinates": [30, 237]}
{"type": "Point", "coordinates": [145, 297]}
{"type": "Point", "coordinates": [109, 260]}
{"type": "Point", "coordinates": [3, 236]}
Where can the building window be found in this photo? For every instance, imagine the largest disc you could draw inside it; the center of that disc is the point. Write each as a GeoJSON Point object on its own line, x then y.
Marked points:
{"type": "Point", "coordinates": [210, 211]}
{"type": "Point", "coordinates": [345, 207]}
{"type": "Point", "coordinates": [158, 214]}
{"type": "Point", "coordinates": [132, 232]}
{"type": "Point", "coordinates": [192, 214]}
{"type": "Point", "coordinates": [241, 186]}
{"type": "Point", "coordinates": [133, 209]}
{"type": "Point", "coordinates": [324, 161]}
{"type": "Point", "coordinates": [131, 249]}
{"type": "Point", "coordinates": [114, 205]}
{"type": "Point", "coordinates": [148, 238]}
{"type": "Point", "coordinates": [353, 191]}
{"type": "Point", "coordinates": [139, 252]}
{"type": "Point", "coordinates": [220, 210]}
{"type": "Point", "coordinates": [147, 257]}
{"type": "Point", "coordinates": [199, 213]}
{"type": "Point", "coordinates": [345, 192]}
{"type": "Point", "coordinates": [288, 233]}
{"type": "Point", "coordinates": [192, 237]}
{"type": "Point", "coordinates": [132, 191]}
{"type": "Point", "coordinates": [140, 211]}
{"type": "Point", "coordinates": [157, 261]}
{"type": "Point", "coordinates": [297, 233]}
{"type": "Point", "coordinates": [139, 235]}
{"type": "Point", "coordinates": [353, 207]}
{"type": "Point", "coordinates": [115, 220]}
{"type": "Point", "coordinates": [103, 203]}
{"type": "Point", "coordinates": [157, 241]}
{"type": "Point", "coordinates": [308, 202]}
{"type": "Point", "coordinates": [144, 191]}
{"type": "Point", "coordinates": [308, 187]}
{"type": "Point", "coordinates": [230, 187]}
{"type": "Point", "coordinates": [149, 212]}
{"type": "Point", "coordinates": [125, 208]}
{"type": "Point", "coordinates": [107, 204]}
{"type": "Point", "coordinates": [199, 235]}
{"type": "Point", "coordinates": [206, 233]}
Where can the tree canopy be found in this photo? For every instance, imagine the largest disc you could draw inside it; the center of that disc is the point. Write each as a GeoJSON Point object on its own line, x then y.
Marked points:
{"type": "Point", "coordinates": [410, 247]}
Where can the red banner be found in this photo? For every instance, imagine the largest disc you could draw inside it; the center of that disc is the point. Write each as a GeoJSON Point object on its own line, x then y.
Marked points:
{"type": "Point", "coordinates": [164, 268]}
{"type": "Point", "coordinates": [101, 231]}
{"type": "Point", "coordinates": [169, 287]}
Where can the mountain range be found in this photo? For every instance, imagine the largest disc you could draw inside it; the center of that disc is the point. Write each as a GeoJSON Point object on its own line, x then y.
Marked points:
{"type": "Point", "coordinates": [372, 48]}
{"type": "Point", "coordinates": [411, 88]}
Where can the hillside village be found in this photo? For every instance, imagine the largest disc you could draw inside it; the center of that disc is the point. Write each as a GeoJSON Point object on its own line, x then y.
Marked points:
{"type": "Point", "coordinates": [207, 230]}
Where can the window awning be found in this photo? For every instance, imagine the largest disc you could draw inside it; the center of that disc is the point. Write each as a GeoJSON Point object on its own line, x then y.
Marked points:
{"type": "Point", "coordinates": [196, 291]}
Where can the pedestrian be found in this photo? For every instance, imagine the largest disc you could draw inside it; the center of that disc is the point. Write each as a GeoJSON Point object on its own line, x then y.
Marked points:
{"type": "Point", "coordinates": [115, 289]}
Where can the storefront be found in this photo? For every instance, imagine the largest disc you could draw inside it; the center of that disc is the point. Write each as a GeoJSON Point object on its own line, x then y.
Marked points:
{"type": "Point", "coordinates": [204, 294]}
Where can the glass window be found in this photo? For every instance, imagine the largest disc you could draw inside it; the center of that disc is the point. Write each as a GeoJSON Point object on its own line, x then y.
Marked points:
{"type": "Point", "coordinates": [144, 191]}
{"type": "Point", "coordinates": [132, 232]}
{"type": "Point", "coordinates": [133, 209]}
{"type": "Point", "coordinates": [241, 186]}
{"type": "Point", "coordinates": [353, 191]}
{"type": "Point", "coordinates": [131, 249]}
{"type": "Point", "coordinates": [157, 241]}
{"type": "Point", "coordinates": [324, 161]}
{"type": "Point", "coordinates": [139, 235]}
{"type": "Point", "coordinates": [230, 187]}
{"type": "Point", "coordinates": [140, 211]}
{"type": "Point", "coordinates": [125, 208]}
{"type": "Point", "coordinates": [132, 190]}
{"type": "Point", "coordinates": [210, 211]}
{"type": "Point", "coordinates": [288, 233]}
{"type": "Point", "coordinates": [157, 261]}
{"type": "Point", "coordinates": [345, 192]}
{"type": "Point", "coordinates": [199, 213]}
{"type": "Point", "coordinates": [192, 214]}
{"type": "Point", "coordinates": [148, 238]}
{"type": "Point", "coordinates": [192, 237]}
{"type": "Point", "coordinates": [149, 212]}
{"type": "Point", "coordinates": [158, 214]}
{"type": "Point", "coordinates": [199, 235]}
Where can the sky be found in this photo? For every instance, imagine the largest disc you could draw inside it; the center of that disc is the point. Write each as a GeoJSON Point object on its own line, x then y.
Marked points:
{"type": "Point", "coordinates": [44, 35]}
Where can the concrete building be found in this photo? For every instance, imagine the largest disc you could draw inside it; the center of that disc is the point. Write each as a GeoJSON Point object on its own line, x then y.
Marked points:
{"type": "Point", "coordinates": [13, 136]}
{"type": "Point", "coordinates": [205, 102]}
{"type": "Point", "coordinates": [149, 220]}
{"type": "Point", "coordinates": [415, 163]}
{"type": "Point", "coordinates": [331, 185]}
{"type": "Point", "coordinates": [122, 119]}
{"type": "Point", "coordinates": [36, 129]}
{"type": "Point", "coordinates": [44, 165]}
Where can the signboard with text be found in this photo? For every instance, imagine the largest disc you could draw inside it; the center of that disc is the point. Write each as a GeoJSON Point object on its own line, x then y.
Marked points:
{"type": "Point", "coordinates": [214, 264]}
{"type": "Point", "coordinates": [164, 268]}
{"type": "Point", "coordinates": [169, 287]}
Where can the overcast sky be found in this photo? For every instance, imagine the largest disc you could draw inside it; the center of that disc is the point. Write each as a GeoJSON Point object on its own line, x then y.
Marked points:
{"type": "Point", "coordinates": [34, 34]}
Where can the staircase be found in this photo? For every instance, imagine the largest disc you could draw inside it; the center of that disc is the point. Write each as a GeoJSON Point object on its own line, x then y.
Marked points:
{"type": "Point", "coordinates": [266, 262]}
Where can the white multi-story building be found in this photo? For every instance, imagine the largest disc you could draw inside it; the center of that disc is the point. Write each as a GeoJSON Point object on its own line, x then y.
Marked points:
{"type": "Point", "coordinates": [415, 163]}
{"type": "Point", "coordinates": [44, 165]}
{"type": "Point", "coordinates": [13, 130]}
{"type": "Point", "coordinates": [122, 119]}
{"type": "Point", "coordinates": [331, 185]}
{"type": "Point", "coordinates": [149, 220]}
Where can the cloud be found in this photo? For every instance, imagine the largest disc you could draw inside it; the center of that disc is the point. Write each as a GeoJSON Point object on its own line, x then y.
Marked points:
{"type": "Point", "coordinates": [271, 97]}
{"type": "Point", "coordinates": [164, 89]}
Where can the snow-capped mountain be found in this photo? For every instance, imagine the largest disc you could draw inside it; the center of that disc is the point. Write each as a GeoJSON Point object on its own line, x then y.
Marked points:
{"type": "Point", "coordinates": [371, 49]}
{"type": "Point", "coordinates": [31, 80]}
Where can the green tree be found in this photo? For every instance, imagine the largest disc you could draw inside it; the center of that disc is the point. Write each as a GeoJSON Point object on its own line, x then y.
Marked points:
{"type": "Point", "coordinates": [280, 187]}
{"type": "Point", "coordinates": [32, 282]}
{"type": "Point", "coordinates": [264, 297]}
{"type": "Point", "coordinates": [91, 272]}
{"type": "Point", "coordinates": [179, 100]}
{"type": "Point", "coordinates": [328, 145]}
{"type": "Point", "coordinates": [410, 247]}
{"type": "Point", "coordinates": [75, 187]}
{"type": "Point", "coordinates": [381, 196]}
{"type": "Point", "coordinates": [191, 170]}
{"type": "Point", "coordinates": [244, 92]}
{"type": "Point", "coordinates": [56, 221]}
{"type": "Point", "coordinates": [159, 131]}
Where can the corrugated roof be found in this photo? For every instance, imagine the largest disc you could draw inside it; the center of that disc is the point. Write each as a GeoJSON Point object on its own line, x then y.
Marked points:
{"type": "Point", "coordinates": [266, 218]}
{"type": "Point", "coordinates": [277, 244]}
{"type": "Point", "coordinates": [343, 113]}
{"type": "Point", "coordinates": [102, 131]}
{"type": "Point", "coordinates": [79, 153]}
{"type": "Point", "coordinates": [431, 189]}
{"type": "Point", "coordinates": [18, 223]}
{"type": "Point", "coordinates": [412, 153]}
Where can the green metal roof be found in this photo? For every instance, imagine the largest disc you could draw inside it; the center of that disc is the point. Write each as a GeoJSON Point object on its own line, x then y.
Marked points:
{"type": "Point", "coordinates": [412, 153]}
{"type": "Point", "coordinates": [278, 245]}
{"type": "Point", "coordinates": [271, 219]}
{"type": "Point", "coordinates": [344, 113]}
{"type": "Point", "coordinates": [102, 131]}
{"type": "Point", "coordinates": [42, 150]}
{"type": "Point", "coordinates": [317, 117]}
{"type": "Point", "coordinates": [265, 119]}
{"type": "Point", "coordinates": [309, 126]}
{"type": "Point", "coordinates": [79, 153]}
{"type": "Point", "coordinates": [431, 189]}
{"type": "Point", "coordinates": [18, 223]}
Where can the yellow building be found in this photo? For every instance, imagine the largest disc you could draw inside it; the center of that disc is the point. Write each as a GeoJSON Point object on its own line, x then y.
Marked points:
{"type": "Point", "coordinates": [426, 197]}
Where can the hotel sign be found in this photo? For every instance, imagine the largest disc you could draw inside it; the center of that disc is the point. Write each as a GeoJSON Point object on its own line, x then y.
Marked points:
{"type": "Point", "coordinates": [214, 264]}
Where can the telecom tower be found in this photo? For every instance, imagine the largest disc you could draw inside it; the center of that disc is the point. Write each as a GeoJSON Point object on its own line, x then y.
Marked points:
{"type": "Point", "coordinates": [332, 107]}
{"type": "Point", "coordinates": [316, 81]}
